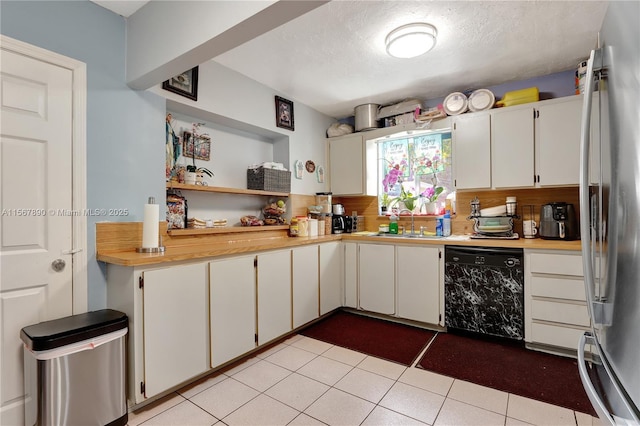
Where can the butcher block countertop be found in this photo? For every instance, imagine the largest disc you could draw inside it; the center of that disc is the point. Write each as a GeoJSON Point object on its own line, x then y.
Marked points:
{"type": "Point", "coordinates": [465, 240]}
{"type": "Point", "coordinates": [116, 244]}
{"type": "Point", "coordinates": [207, 250]}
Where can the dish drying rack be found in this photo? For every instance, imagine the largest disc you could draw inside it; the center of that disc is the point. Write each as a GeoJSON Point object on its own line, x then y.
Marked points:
{"type": "Point", "coordinates": [493, 227]}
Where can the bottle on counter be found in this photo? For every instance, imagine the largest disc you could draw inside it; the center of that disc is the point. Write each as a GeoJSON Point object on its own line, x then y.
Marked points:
{"type": "Point", "coordinates": [393, 225]}
{"type": "Point", "coordinates": [446, 224]}
{"type": "Point", "coordinates": [439, 221]}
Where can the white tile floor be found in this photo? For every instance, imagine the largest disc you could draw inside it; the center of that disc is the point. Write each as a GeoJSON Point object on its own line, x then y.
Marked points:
{"type": "Point", "coordinates": [303, 381]}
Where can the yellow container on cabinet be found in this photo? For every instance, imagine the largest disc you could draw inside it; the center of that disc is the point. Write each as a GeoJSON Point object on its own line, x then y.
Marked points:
{"type": "Point", "coordinates": [518, 97]}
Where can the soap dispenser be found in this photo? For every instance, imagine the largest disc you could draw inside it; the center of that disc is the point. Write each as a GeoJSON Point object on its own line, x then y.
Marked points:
{"type": "Point", "coordinates": [393, 226]}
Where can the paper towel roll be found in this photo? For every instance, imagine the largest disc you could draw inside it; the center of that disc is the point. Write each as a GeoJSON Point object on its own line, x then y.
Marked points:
{"type": "Point", "coordinates": [150, 226]}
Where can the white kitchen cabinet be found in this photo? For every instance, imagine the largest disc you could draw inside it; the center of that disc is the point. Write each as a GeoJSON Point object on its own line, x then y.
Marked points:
{"type": "Point", "coordinates": [376, 278]}
{"type": "Point", "coordinates": [352, 165]}
{"type": "Point", "coordinates": [331, 273]}
{"type": "Point", "coordinates": [472, 151]}
{"type": "Point", "coordinates": [232, 298]}
{"type": "Point", "coordinates": [274, 294]}
{"type": "Point", "coordinates": [306, 287]}
{"type": "Point", "coordinates": [175, 325]}
{"type": "Point", "coordinates": [168, 312]}
{"type": "Point", "coordinates": [558, 141]}
{"type": "Point", "coordinates": [512, 147]}
{"type": "Point", "coordinates": [418, 283]}
{"type": "Point", "coordinates": [351, 275]}
{"type": "Point", "coordinates": [555, 304]}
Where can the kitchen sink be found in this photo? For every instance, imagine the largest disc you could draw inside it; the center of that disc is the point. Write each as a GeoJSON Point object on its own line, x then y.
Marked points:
{"type": "Point", "coordinates": [416, 236]}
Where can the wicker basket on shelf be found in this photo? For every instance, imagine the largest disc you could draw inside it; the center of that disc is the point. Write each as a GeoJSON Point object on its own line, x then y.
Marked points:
{"type": "Point", "coordinates": [269, 179]}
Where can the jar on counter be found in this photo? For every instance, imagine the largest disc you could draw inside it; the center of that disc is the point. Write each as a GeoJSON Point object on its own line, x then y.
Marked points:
{"type": "Point", "coordinates": [321, 226]}
{"type": "Point", "coordinates": [328, 224]}
{"type": "Point", "coordinates": [303, 226]}
{"type": "Point", "coordinates": [293, 227]}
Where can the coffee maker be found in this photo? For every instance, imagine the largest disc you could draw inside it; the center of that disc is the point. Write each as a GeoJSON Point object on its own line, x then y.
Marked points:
{"type": "Point", "coordinates": [339, 222]}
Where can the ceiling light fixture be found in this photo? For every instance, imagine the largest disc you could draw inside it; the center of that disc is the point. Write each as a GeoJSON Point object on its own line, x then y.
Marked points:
{"type": "Point", "coordinates": [411, 40]}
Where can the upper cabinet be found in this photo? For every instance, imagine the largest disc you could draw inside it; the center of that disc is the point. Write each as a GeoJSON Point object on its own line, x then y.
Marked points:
{"type": "Point", "coordinates": [525, 146]}
{"type": "Point", "coordinates": [512, 154]}
{"type": "Point", "coordinates": [472, 151]}
{"type": "Point", "coordinates": [558, 142]}
{"type": "Point", "coordinates": [352, 168]}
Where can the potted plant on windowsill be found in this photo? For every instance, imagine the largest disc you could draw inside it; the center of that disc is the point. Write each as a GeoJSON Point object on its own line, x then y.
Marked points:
{"type": "Point", "coordinates": [385, 200]}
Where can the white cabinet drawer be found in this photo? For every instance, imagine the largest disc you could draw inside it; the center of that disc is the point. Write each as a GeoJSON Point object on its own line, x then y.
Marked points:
{"type": "Point", "coordinates": [547, 334]}
{"type": "Point", "coordinates": [566, 313]}
{"type": "Point", "coordinates": [559, 264]}
{"type": "Point", "coordinates": [559, 288]}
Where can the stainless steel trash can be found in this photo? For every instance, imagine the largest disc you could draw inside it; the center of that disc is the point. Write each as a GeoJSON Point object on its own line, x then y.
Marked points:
{"type": "Point", "coordinates": [74, 370]}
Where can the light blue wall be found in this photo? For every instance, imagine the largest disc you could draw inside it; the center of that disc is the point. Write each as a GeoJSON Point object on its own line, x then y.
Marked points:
{"type": "Point", "coordinates": [125, 128]}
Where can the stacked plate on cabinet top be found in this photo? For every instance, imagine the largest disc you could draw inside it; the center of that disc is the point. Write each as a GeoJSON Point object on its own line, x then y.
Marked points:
{"type": "Point", "coordinates": [456, 103]}
{"type": "Point", "coordinates": [479, 100]}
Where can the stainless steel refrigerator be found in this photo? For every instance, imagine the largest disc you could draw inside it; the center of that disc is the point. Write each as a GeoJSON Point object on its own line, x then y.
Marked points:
{"type": "Point", "coordinates": [610, 217]}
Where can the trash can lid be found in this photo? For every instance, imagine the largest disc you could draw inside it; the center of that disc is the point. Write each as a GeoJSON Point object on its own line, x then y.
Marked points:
{"type": "Point", "coordinates": [64, 331]}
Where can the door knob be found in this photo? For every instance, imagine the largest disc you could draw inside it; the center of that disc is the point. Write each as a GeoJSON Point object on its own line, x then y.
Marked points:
{"type": "Point", "coordinates": [58, 265]}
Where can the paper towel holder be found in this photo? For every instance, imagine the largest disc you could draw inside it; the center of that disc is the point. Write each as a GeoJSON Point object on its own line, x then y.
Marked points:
{"type": "Point", "coordinates": [160, 248]}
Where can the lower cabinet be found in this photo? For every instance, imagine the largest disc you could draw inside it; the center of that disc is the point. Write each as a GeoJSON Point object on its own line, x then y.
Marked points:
{"type": "Point", "coordinates": [331, 260]}
{"type": "Point", "coordinates": [306, 286]}
{"type": "Point", "coordinates": [168, 312]}
{"type": "Point", "coordinates": [190, 317]}
{"type": "Point", "coordinates": [274, 295]}
{"type": "Point", "coordinates": [232, 301]}
{"type": "Point", "coordinates": [418, 278]}
{"type": "Point", "coordinates": [376, 277]}
{"type": "Point", "coordinates": [350, 275]}
{"type": "Point", "coordinates": [556, 311]}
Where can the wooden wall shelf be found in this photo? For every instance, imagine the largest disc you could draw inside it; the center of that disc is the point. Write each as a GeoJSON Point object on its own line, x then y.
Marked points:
{"type": "Point", "coordinates": [225, 230]}
{"type": "Point", "coordinates": [224, 190]}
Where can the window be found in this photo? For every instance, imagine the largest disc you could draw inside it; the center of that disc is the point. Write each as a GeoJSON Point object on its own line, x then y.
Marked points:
{"type": "Point", "coordinates": [415, 171]}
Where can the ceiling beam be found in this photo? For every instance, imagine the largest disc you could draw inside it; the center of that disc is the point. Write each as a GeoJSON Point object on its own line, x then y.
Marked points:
{"type": "Point", "coordinates": [166, 38]}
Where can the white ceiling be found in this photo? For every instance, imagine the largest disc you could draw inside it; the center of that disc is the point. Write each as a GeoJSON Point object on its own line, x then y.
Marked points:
{"type": "Point", "coordinates": [333, 58]}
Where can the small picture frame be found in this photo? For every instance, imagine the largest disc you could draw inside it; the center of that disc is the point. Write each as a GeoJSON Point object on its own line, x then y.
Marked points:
{"type": "Point", "coordinates": [185, 84]}
{"type": "Point", "coordinates": [284, 113]}
{"type": "Point", "coordinates": [202, 147]}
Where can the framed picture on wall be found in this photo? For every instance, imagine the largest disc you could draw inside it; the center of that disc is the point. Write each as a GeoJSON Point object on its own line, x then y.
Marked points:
{"type": "Point", "coordinates": [200, 149]}
{"type": "Point", "coordinates": [185, 84]}
{"type": "Point", "coordinates": [284, 113]}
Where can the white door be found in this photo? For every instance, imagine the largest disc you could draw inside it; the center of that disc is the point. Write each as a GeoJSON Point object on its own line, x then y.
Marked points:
{"type": "Point", "coordinates": [36, 186]}
{"type": "Point", "coordinates": [176, 329]}
{"type": "Point", "coordinates": [472, 151]}
{"type": "Point", "coordinates": [331, 281]}
{"type": "Point", "coordinates": [306, 286]}
{"type": "Point", "coordinates": [274, 295]}
{"type": "Point", "coordinates": [512, 150]}
{"type": "Point", "coordinates": [418, 283]}
{"type": "Point", "coordinates": [558, 142]}
{"type": "Point", "coordinates": [232, 293]}
{"type": "Point", "coordinates": [376, 266]}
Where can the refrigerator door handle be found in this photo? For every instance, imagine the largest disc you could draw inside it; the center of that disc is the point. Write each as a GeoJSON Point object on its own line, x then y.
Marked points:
{"type": "Point", "coordinates": [585, 222]}
{"type": "Point", "coordinates": [597, 403]}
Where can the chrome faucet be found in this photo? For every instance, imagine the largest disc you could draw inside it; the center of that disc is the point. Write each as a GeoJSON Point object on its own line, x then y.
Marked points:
{"type": "Point", "coordinates": [413, 231]}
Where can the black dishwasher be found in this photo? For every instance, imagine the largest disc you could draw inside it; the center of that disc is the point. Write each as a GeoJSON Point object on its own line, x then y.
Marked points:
{"type": "Point", "coordinates": [484, 290]}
